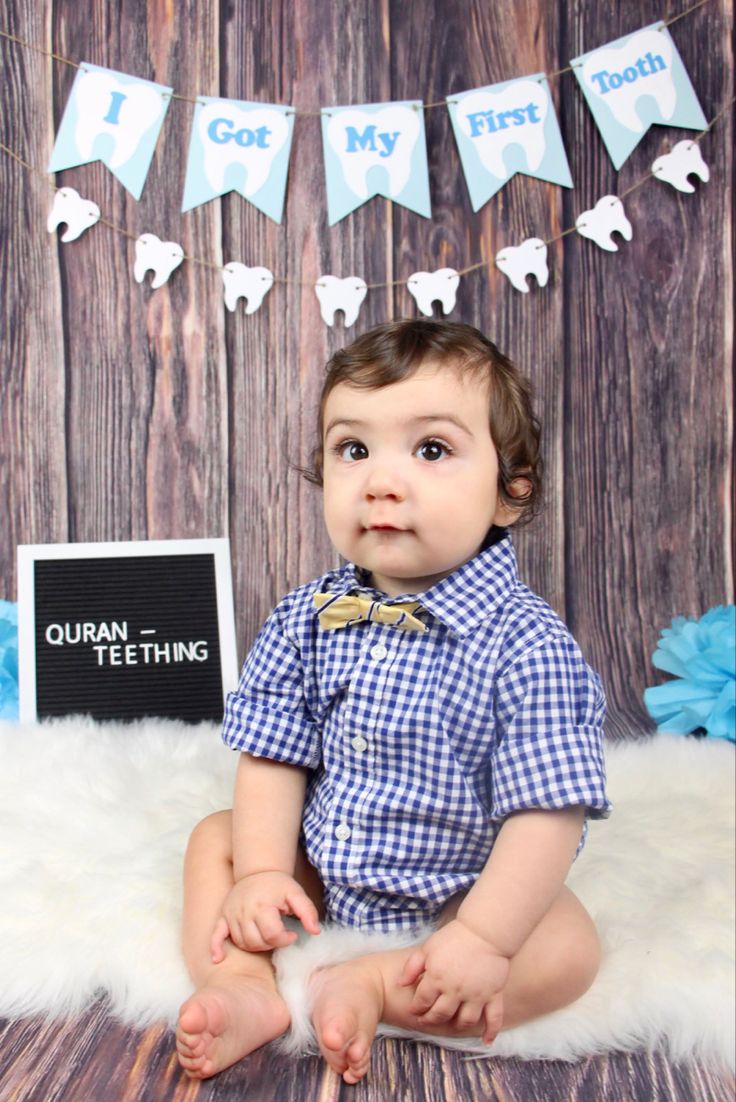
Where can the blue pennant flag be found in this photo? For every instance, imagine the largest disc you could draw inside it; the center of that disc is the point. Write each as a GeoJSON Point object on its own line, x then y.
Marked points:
{"type": "Point", "coordinates": [507, 128]}
{"type": "Point", "coordinates": [634, 82]}
{"type": "Point", "coordinates": [113, 118]}
{"type": "Point", "coordinates": [375, 149]}
{"type": "Point", "coordinates": [239, 146]}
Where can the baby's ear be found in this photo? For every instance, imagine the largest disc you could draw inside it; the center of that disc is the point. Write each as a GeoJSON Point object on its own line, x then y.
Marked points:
{"type": "Point", "coordinates": [506, 514]}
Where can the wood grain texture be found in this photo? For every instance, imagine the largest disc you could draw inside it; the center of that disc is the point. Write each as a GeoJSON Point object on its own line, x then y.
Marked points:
{"type": "Point", "coordinates": [97, 1060]}
{"type": "Point", "coordinates": [33, 386]}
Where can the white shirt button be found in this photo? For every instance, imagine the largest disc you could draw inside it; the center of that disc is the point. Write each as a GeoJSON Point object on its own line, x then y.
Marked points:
{"type": "Point", "coordinates": [359, 743]}
{"type": "Point", "coordinates": [342, 832]}
{"type": "Point", "coordinates": [378, 652]}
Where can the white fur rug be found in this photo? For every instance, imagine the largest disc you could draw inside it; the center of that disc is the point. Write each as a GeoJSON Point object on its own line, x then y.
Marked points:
{"type": "Point", "coordinates": [94, 822]}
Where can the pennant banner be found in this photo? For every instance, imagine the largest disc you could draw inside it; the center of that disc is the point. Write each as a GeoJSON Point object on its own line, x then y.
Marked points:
{"type": "Point", "coordinates": [507, 128]}
{"type": "Point", "coordinates": [375, 149]}
{"type": "Point", "coordinates": [634, 82]}
{"type": "Point", "coordinates": [239, 146]}
{"type": "Point", "coordinates": [113, 118]}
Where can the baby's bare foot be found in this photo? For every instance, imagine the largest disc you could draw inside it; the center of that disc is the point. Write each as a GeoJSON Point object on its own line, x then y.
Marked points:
{"type": "Point", "coordinates": [347, 1007]}
{"type": "Point", "coordinates": [221, 1024]}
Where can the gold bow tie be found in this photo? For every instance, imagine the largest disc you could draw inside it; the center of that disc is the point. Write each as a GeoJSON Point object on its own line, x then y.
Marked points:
{"type": "Point", "coordinates": [337, 612]}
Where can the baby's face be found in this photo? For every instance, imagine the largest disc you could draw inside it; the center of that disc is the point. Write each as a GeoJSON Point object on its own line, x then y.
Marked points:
{"type": "Point", "coordinates": [411, 476]}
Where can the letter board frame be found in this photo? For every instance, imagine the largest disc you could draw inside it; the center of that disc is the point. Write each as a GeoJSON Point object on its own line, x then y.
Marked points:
{"type": "Point", "coordinates": [126, 630]}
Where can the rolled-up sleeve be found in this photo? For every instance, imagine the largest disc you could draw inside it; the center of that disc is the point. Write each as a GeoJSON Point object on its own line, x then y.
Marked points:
{"type": "Point", "coordinates": [550, 709]}
{"type": "Point", "coordinates": [267, 715]}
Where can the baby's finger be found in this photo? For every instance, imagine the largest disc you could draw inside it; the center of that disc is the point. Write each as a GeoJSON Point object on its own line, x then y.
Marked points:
{"type": "Point", "coordinates": [413, 968]}
{"type": "Point", "coordinates": [271, 928]}
{"type": "Point", "coordinates": [444, 1008]}
{"type": "Point", "coordinates": [220, 935]}
{"type": "Point", "coordinates": [304, 909]}
{"type": "Point", "coordinates": [468, 1015]}
{"type": "Point", "coordinates": [493, 1018]}
{"type": "Point", "coordinates": [425, 996]}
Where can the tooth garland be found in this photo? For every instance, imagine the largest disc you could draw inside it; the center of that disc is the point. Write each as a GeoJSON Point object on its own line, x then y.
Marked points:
{"type": "Point", "coordinates": [606, 218]}
{"type": "Point", "coordinates": [157, 256]}
{"type": "Point", "coordinates": [428, 287]}
{"type": "Point", "coordinates": [76, 213]}
{"type": "Point", "coordinates": [516, 262]}
{"type": "Point", "coordinates": [340, 294]}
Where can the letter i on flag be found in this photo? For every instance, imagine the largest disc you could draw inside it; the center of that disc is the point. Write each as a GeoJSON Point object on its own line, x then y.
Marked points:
{"type": "Point", "coordinates": [113, 118]}
{"type": "Point", "coordinates": [507, 128]}
{"type": "Point", "coordinates": [239, 146]}
{"type": "Point", "coordinates": [375, 149]}
{"type": "Point", "coordinates": [634, 82]}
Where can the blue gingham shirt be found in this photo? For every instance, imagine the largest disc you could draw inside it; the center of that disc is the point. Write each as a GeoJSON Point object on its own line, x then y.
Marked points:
{"type": "Point", "coordinates": [421, 744]}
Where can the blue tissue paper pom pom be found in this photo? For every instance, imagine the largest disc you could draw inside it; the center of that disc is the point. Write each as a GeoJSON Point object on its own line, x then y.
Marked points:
{"type": "Point", "coordinates": [8, 660]}
{"type": "Point", "coordinates": [701, 654]}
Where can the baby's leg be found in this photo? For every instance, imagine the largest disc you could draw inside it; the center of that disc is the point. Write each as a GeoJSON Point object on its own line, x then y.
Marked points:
{"type": "Point", "coordinates": [555, 966]}
{"type": "Point", "coordinates": [236, 1007]}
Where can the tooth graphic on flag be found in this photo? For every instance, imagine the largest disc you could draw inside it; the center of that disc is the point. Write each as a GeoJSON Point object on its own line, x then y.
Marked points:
{"type": "Point", "coordinates": [684, 160]}
{"type": "Point", "coordinates": [160, 257]}
{"type": "Point", "coordinates": [76, 213]}
{"type": "Point", "coordinates": [375, 149]}
{"type": "Point", "coordinates": [606, 217]}
{"type": "Point", "coordinates": [634, 82]}
{"type": "Point", "coordinates": [428, 287]}
{"type": "Point", "coordinates": [113, 118]}
{"type": "Point", "coordinates": [239, 146]}
{"type": "Point", "coordinates": [252, 284]}
{"type": "Point", "coordinates": [340, 294]}
{"type": "Point", "coordinates": [518, 261]}
{"type": "Point", "coordinates": [507, 128]}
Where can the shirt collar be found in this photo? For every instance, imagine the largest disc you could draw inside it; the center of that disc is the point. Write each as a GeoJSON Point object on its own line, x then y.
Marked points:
{"type": "Point", "coordinates": [462, 599]}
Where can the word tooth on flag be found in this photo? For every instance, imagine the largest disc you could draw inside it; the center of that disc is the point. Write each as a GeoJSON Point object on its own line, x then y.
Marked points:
{"type": "Point", "coordinates": [506, 128]}
{"type": "Point", "coordinates": [606, 218]}
{"type": "Point", "coordinates": [76, 213]}
{"type": "Point", "coordinates": [239, 146]}
{"type": "Point", "coordinates": [157, 256]}
{"type": "Point", "coordinates": [340, 294]}
{"type": "Point", "coordinates": [375, 149]}
{"type": "Point", "coordinates": [519, 261]}
{"type": "Point", "coordinates": [428, 287]}
{"type": "Point", "coordinates": [114, 118]}
{"type": "Point", "coordinates": [252, 284]}
{"type": "Point", "coordinates": [634, 82]}
{"type": "Point", "coordinates": [674, 168]}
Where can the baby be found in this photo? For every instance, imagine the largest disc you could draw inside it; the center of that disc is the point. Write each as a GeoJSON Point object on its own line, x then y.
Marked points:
{"type": "Point", "coordinates": [419, 735]}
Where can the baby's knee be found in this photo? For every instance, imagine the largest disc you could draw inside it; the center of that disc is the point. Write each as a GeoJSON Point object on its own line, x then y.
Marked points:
{"type": "Point", "coordinates": [579, 960]}
{"type": "Point", "coordinates": [212, 834]}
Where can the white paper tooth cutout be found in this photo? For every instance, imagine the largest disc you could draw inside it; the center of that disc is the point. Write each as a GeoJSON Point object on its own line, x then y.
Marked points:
{"type": "Point", "coordinates": [606, 217]}
{"type": "Point", "coordinates": [252, 284]}
{"type": "Point", "coordinates": [340, 294]}
{"type": "Point", "coordinates": [519, 261]}
{"type": "Point", "coordinates": [157, 256]}
{"type": "Point", "coordinates": [684, 160]}
{"type": "Point", "coordinates": [77, 213]}
{"type": "Point", "coordinates": [429, 287]}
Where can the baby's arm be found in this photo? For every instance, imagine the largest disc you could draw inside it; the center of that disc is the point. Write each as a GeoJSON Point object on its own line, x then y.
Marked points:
{"type": "Point", "coordinates": [267, 814]}
{"type": "Point", "coordinates": [464, 965]}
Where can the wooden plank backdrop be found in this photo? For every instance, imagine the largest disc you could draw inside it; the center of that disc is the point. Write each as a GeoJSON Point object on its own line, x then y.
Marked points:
{"type": "Point", "coordinates": [127, 413]}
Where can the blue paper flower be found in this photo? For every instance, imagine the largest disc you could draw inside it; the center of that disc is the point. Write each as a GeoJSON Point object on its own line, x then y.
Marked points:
{"type": "Point", "coordinates": [702, 656]}
{"type": "Point", "coordinates": [8, 660]}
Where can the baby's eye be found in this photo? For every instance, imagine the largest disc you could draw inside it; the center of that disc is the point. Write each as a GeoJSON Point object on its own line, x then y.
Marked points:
{"type": "Point", "coordinates": [432, 450]}
{"type": "Point", "coordinates": [351, 450]}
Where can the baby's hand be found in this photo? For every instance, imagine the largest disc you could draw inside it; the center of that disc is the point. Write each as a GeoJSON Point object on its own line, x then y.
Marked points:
{"type": "Point", "coordinates": [251, 914]}
{"type": "Point", "coordinates": [461, 980]}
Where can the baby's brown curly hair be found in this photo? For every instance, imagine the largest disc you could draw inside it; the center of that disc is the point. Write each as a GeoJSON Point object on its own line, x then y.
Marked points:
{"type": "Point", "coordinates": [397, 349]}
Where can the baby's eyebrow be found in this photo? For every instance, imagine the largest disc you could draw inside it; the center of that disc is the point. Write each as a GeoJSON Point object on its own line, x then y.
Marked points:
{"type": "Point", "coordinates": [429, 418]}
{"type": "Point", "coordinates": [343, 422]}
